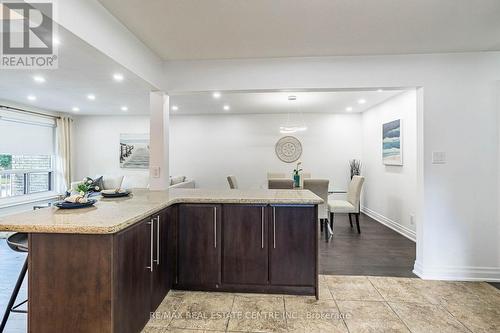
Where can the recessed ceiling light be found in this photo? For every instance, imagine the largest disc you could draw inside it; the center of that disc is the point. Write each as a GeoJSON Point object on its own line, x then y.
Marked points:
{"type": "Point", "coordinates": [118, 77]}
{"type": "Point", "coordinates": [216, 94]}
{"type": "Point", "coordinates": [175, 108]}
{"type": "Point", "coordinates": [31, 97]}
{"type": "Point", "coordinates": [38, 79]}
{"type": "Point", "coordinates": [56, 41]}
{"type": "Point", "coordinates": [349, 108]}
{"type": "Point", "coordinates": [75, 109]}
{"type": "Point", "coordinates": [227, 108]}
{"type": "Point", "coordinates": [91, 97]}
{"type": "Point", "coordinates": [361, 101]}
{"type": "Point", "coordinates": [124, 108]}
{"type": "Point", "coordinates": [380, 90]}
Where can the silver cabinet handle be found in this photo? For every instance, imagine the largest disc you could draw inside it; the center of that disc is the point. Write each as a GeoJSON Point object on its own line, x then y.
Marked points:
{"type": "Point", "coordinates": [262, 228]}
{"type": "Point", "coordinates": [150, 267]}
{"type": "Point", "coordinates": [215, 227]}
{"type": "Point", "coordinates": [158, 240]}
{"type": "Point", "coordinates": [274, 227]}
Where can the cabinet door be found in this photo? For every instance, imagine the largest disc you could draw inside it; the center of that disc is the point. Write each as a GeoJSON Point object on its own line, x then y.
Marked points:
{"type": "Point", "coordinates": [199, 246]}
{"type": "Point", "coordinates": [245, 250]}
{"type": "Point", "coordinates": [293, 245]}
{"type": "Point", "coordinates": [132, 276]}
{"type": "Point", "coordinates": [160, 280]}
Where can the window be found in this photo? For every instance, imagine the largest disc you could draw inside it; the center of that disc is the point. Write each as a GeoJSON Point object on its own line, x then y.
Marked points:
{"type": "Point", "coordinates": [26, 154]}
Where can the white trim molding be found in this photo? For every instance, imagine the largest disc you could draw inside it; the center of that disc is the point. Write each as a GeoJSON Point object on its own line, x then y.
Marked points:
{"type": "Point", "coordinates": [458, 273]}
{"type": "Point", "coordinates": [408, 233]}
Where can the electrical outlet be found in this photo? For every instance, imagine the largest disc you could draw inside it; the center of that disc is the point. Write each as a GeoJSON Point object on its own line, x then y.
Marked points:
{"type": "Point", "coordinates": [412, 219]}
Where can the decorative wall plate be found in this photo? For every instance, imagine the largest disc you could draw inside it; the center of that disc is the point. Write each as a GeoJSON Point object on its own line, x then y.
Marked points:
{"type": "Point", "coordinates": [288, 149]}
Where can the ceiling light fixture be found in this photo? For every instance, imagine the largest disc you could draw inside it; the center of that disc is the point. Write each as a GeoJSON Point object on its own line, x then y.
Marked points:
{"type": "Point", "coordinates": [175, 108]}
{"type": "Point", "coordinates": [349, 109]}
{"type": "Point", "coordinates": [216, 94]}
{"type": "Point", "coordinates": [31, 97]}
{"type": "Point", "coordinates": [56, 41]}
{"type": "Point", "coordinates": [91, 97]}
{"type": "Point", "coordinates": [118, 77]}
{"type": "Point", "coordinates": [361, 101]}
{"type": "Point", "coordinates": [380, 90]}
{"type": "Point", "coordinates": [124, 108]}
{"type": "Point", "coordinates": [290, 126]}
{"type": "Point", "coordinates": [38, 79]}
{"type": "Point", "coordinates": [227, 108]}
{"type": "Point", "coordinates": [75, 109]}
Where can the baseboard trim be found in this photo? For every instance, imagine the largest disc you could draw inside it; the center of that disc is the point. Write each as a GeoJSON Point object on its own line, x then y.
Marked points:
{"type": "Point", "coordinates": [464, 273]}
{"type": "Point", "coordinates": [402, 230]}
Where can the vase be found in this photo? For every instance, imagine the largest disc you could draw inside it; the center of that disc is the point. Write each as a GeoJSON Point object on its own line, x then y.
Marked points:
{"type": "Point", "coordinates": [296, 180]}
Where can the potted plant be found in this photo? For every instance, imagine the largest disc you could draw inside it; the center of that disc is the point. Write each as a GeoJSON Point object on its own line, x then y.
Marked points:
{"type": "Point", "coordinates": [86, 186]}
{"type": "Point", "coordinates": [296, 175]}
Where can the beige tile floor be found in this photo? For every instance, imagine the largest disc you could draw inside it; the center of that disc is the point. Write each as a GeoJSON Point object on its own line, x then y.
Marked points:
{"type": "Point", "coordinates": [347, 304]}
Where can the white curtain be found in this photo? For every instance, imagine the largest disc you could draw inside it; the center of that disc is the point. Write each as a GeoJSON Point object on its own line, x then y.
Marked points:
{"type": "Point", "coordinates": [64, 125]}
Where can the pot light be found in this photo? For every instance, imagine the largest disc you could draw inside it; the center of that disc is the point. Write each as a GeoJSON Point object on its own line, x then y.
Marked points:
{"type": "Point", "coordinates": [56, 41]}
{"type": "Point", "coordinates": [175, 108]}
{"type": "Point", "coordinates": [91, 97]}
{"type": "Point", "coordinates": [216, 94]}
{"type": "Point", "coordinates": [118, 77]}
{"type": "Point", "coordinates": [380, 90]}
{"type": "Point", "coordinates": [361, 101]}
{"type": "Point", "coordinates": [38, 79]}
{"type": "Point", "coordinates": [31, 97]}
{"type": "Point", "coordinates": [75, 109]}
{"type": "Point", "coordinates": [349, 108]}
{"type": "Point", "coordinates": [226, 108]}
{"type": "Point", "coordinates": [124, 108]}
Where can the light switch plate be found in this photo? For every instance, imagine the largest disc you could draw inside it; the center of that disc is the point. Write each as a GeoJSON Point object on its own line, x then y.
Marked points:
{"type": "Point", "coordinates": [155, 172]}
{"type": "Point", "coordinates": [438, 157]}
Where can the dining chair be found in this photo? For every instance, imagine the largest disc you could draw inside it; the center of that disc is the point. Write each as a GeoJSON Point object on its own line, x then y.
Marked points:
{"type": "Point", "coordinates": [351, 205]}
{"type": "Point", "coordinates": [271, 175]}
{"type": "Point", "coordinates": [320, 188]}
{"type": "Point", "coordinates": [280, 184]}
{"type": "Point", "coordinates": [233, 185]}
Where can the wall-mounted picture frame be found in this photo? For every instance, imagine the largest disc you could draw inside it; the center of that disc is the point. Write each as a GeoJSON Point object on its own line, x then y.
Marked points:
{"type": "Point", "coordinates": [134, 151]}
{"type": "Point", "coordinates": [392, 143]}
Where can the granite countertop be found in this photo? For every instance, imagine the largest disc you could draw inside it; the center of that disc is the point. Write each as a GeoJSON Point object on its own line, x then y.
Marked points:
{"type": "Point", "coordinates": [109, 216]}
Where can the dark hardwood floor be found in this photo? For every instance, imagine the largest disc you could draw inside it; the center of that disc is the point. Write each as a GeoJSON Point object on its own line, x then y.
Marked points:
{"type": "Point", "coordinates": [378, 250]}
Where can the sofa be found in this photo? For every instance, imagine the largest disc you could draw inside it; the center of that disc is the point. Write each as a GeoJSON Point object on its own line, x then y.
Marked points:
{"type": "Point", "coordinates": [136, 181]}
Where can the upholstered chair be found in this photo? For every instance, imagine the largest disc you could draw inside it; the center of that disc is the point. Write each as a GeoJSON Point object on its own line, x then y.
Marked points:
{"type": "Point", "coordinates": [280, 184]}
{"type": "Point", "coordinates": [320, 188]}
{"type": "Point", "coordinates": [351, 205]}
{"type": "Point", "coordinates": [271, 175]}
{"type": "Point", "coordinates": [233, 185]}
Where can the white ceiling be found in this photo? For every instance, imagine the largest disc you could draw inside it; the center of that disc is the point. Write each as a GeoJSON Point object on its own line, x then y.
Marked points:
{"type": "Point", "coordinates": [82, 70]}
{"type": "Point", "coordinates": [277, 102]}
{"type": "Point", "coordinates": [219, 29]}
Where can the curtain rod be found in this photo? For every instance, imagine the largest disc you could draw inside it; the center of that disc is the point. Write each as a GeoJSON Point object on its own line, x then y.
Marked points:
{"type": "Point", "coordinates": [31, 112]}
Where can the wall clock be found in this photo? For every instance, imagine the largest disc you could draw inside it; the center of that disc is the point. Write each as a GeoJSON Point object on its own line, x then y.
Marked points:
{"type": "Point", "coordinates": [288, 149]}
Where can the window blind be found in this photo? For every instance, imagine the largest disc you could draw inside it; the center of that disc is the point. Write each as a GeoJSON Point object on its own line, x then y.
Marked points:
{"type": "Point", "coordinates": [26, 134]}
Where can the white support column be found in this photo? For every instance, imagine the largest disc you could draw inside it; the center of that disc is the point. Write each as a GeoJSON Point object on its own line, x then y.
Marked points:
{"type": "Point", "coordinates": [159, 140]}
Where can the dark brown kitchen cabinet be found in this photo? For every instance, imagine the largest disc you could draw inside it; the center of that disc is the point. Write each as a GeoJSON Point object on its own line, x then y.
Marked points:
{"type": "Point", "coordinates": [160, 275]}
{"type": "Point", "coordinates": [293, 244]}
{"type": "Point", "coordinates": [132, 276]}
{"type": "Point", "coordinates": [199, 246]}
{"type": "Point", "coordinates": [245, 244]}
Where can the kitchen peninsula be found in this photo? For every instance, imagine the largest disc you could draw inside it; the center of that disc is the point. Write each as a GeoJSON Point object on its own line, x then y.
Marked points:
{"type": "Point", "coordinates": [105, 268]}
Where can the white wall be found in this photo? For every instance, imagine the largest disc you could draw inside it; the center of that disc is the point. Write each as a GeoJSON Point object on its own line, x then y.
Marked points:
{"type": "Point", "coordinates": [97, 147]}
{"type": "Point", "coordinates": [389, 193]}
{"type": "Point", "coordinates": [457, 212]}
{"type": "Point", "coordinates": [211, 147]}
